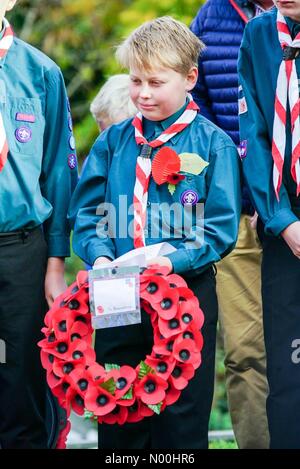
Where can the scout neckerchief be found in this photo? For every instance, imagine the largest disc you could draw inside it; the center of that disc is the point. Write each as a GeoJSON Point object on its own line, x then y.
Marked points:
{"type": "Point", "coordinates": [143, 165]}
{"type": "Point", "coordinates": [287, 89]}
{"type": "Point", "coordinates": [5, 43]}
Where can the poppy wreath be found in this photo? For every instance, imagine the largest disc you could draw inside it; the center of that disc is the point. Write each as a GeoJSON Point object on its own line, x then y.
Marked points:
{"type": "Point", "coordinates": [119, 393]}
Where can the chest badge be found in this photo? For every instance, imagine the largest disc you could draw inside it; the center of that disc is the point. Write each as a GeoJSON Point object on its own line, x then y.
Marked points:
{"type": "Point", "coordinates": [72, 161]}
{"type": "Point", "coordinates": [189, 197]}
{"type": "Point", "coordinates": [23, 134]}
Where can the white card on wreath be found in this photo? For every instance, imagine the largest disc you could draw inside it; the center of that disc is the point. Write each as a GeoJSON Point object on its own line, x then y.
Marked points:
{"type": "Point", "coordinates": [114, 296]}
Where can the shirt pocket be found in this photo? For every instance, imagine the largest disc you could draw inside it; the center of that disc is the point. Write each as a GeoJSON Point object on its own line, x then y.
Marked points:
{"type": "Point", "coordinates": [24, 125]}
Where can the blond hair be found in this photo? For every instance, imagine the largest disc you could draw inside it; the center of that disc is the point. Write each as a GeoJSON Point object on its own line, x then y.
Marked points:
{"type": "Point", "coordinates": [162, 42]}
{"type": "Point", "coordinates": [113, 100]}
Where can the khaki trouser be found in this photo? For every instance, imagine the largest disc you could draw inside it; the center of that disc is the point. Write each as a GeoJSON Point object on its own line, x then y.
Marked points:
{"type": "Point", "coordinates": [240, 314]}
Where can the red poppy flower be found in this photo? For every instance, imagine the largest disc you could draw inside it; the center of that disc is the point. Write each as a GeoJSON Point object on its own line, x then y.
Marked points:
{"type": "Point", "coordinates": [75, 401]}
{"type": "Point", "coordinates": [167, 308]}
{"type": "Point", "coordinates": [124, 378]}
{"type": "Point", "coordinates": [47, 360]}
{"type": "Point", "coordinates": [53, 379]}
{"type": "Point", "coordinates": [163, 366]}
{"type": "Point", "coordinates": [118, 415]}
{"type": "Point", "coordinates": [62, 436]}
{"type": "Point", "coordinates": [151, 389]}
{"type": "Point", "coordinates": [82, 278]}
{"type": "Point", "coordinates": [185, 351]}
{"type": "Point", "coordinates": [81, 380]}
{"type": "Point", "coordinates": [158, 271]}
{"type": "Point", "coordinates": [172, 395]}
{"type": "Point", "coordinates": [99, 401]}
{"type": "Point", "coordinates": [171, 327]}
{"type": "Point", "coordinates": [181, 375]}
{"type": "Point", "coordinates": [175, 178]}
{"type": "Point", "coordinates": [154, 290]}
{"type": "Point", "coordinates": [193, 333]}
{"type": "Point", "coordinates": [163, 346]}
{"type": "Point", "coordinates": [189, 312]}
{"type": "Point", "coordinates": [78, 352]}
{"type": "Point", "coordinates": [97, 371]}
{"type": "Point", "coordinates": [165, 163]}
{"type": "Point", "coordinates": [137, 411]}
{"type": "Point", "coordinates": [175, 281]}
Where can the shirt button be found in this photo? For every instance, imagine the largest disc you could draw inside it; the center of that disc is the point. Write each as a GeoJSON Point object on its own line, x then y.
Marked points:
{"type": "Point", "coordinates": [148, 203]}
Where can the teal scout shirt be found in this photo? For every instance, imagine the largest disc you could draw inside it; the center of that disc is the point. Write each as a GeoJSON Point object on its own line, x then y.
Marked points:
{"type": "Point", "coordinates": [109, 176]}
{"type": "Point", "coordinates": [40, 173]}
{"type": "Point", "coordinates": [258, 66]}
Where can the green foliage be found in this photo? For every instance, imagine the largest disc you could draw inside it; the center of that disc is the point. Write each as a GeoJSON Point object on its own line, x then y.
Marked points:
{"type": "Point", "coordinates": [156, 408]}
{"type": "Point", "coordinates": [223, 444]}
{"type": "Point", "coordinates": [128, 395]}
{"type": "Point", "coordinates": [109, 386]}
{"type": "Point", "coordinates": [81, 36]}
{"type": "Point", "coordinates": [108, 367]}
{"type": "Point", "coordinates": [145, 370]}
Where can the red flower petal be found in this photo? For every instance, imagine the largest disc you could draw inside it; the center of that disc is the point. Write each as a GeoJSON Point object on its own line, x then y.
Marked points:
{"type": "Point", "coordinates": [165, 162]}
{"type": "Point", "coordinates": [175, 178]}
{"type": "Point", "coordinates": [151, 389]}
{"type": "Point", "coordinates": [99, 401]}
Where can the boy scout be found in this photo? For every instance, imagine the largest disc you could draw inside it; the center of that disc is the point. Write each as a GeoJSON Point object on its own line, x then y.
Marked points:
{"type": "Point", "coordinates": [162, 57]}
{"type": "Point", "coordinates": [37, 175]}
{"type": "Point", "coordinates": [269, 71]}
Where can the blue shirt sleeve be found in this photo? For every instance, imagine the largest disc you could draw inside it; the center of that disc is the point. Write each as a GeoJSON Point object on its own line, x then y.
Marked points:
{"type": "Point", "coordinates": [57, 179]}
{"type": "Point", "coordinates": [221, 215]}
{"type": "Point", "coordinates": [258, 162]}
{"type": "Point", "coordinates": [91, 240]}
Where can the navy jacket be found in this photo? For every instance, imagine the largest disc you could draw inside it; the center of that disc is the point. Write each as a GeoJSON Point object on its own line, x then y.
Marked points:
{"type": "Point", "coordinates": [220, 25]}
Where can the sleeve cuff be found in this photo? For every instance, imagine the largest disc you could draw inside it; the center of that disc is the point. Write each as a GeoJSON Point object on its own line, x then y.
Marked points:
{"type": "Point", "coordinates": [281, 220]}
{"type": "Point", "coordinates": [98, 251]}
{"type": "Point", "coordinates": [180, 261]}
{"type": "Point", "coordinates": [58, 246]}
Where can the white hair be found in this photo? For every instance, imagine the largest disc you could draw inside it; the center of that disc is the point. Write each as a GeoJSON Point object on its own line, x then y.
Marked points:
{"type": "Point", "coordinates": [113, 100]}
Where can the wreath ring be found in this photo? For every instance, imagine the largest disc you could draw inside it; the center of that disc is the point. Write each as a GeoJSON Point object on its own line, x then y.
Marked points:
{"type": "Point", "coordinates": [118, 394]}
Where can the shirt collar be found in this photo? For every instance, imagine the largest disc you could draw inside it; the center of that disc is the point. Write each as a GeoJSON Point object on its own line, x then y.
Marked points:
{"type": "Point", "coordinates": [153, 129]}
{"type": "Point", "coordinates": [293, 26]}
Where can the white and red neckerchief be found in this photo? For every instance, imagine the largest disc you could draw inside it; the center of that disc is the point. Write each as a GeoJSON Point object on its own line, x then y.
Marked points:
{"type": "Point", "coordinates": [287, 89]}
{"type": "Point", "coordinates": [143, 165]}
{"type": "Point", "coordinates": [5, 43]}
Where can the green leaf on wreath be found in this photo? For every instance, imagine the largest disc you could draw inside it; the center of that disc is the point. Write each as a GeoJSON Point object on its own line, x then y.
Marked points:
{"type": "Point", "coordinates": [111, 366]}
{"type": "Point", "coordinates": [109, 386]}
{"type": "Point", "coordinates": [156, 408]}
{"type": "Point", "coordinates": [171, 188]}
{"type": "Point", "coordinates": [145, 370]}
{"type": "Point", "coordinates": [128, 395]}
{"type": "Point", "coordinates": [88, 415]}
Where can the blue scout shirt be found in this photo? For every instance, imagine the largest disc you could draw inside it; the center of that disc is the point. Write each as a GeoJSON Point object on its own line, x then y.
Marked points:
{"type": "Point", "coordinates": [40, 173]}
{"type": "Point", "coordinates": [110, 173]}
{"type": "Point", "coordinates": [258, 65]}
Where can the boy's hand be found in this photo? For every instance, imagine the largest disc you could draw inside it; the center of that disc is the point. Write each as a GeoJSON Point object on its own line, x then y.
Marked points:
{"type": "Point", "coordinates": [55, 283]}
{"type": "Point", "coordinates": [102, 260]}
{"type": "Point", "coordinates": [253, 221]}
{"type": "Point", "coordinates": [291, 236]}
{"type": "Point", "coordinates": [161, 260]}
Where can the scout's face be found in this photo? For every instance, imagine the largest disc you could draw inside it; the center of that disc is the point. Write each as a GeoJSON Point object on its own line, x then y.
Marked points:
{"type": "Point", "coordinates": [160, 92]}
{"type": "Point", "coordinates": [290, 8]}
{"type": "Point", "coordinates": [6, 5]}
